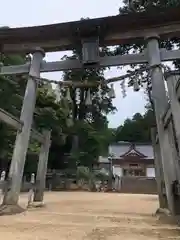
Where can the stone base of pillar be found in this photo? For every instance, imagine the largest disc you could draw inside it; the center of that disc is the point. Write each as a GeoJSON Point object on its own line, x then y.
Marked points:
{"type": "Point", "coordinates": [37, 205]}
{"type": "Point", "coordinates": [165, 216]}
{"type": "Point", "coordinates": [10, 209]}
{"type": "Point", "coordinates": [163, 211]}
{"type": "Point", "coordinates": [177, 206]}
{"type": "Point", "coordinates": [163, 202]}
{"type": "Point", "coordinates": [38, 196]}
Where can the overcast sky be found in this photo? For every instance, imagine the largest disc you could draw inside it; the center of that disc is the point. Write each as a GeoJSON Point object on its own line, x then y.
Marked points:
{"type": "Point", "coordinates": [38, 12]}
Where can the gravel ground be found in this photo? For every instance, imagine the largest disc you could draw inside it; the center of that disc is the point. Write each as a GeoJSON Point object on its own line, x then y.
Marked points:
{"type": "Point", "coordinates": [82, 215]}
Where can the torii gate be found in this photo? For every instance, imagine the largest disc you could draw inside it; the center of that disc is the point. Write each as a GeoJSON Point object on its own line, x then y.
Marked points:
{"type": "Point", "coordinates": [90, 35]}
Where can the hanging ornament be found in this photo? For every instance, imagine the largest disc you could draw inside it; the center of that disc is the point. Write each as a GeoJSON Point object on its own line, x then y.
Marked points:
{"type": "Point", "coordinates": [69, 122]}
{"type": "Point", "coordinates": [1, 65]}
{"type": "Point", "coordinates": [122, 84]}
{"type": "Point", "coordinates": [100, 93]}
{"type": "Point", "coordinates": [111, 92]}
{"type": "Point", "coordinates": [88, 101]}
{"type": "Point", "coordinates": [77, 93]}
{"type": "Point", "coordinates": [68, 95]}
{"type": "Point", "coordinates": [58, 93]}
{"type": "Point", "coordinates": [136, 85]}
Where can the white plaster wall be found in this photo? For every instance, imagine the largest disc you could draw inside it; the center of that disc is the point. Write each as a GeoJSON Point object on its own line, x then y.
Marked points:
{"type": "Point", "coordinates": [150, 172]}
{"type": "Point", "coordinates": [118, 171]}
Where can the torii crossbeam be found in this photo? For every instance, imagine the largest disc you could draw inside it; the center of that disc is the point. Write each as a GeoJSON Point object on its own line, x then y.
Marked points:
{"type": "Point", "coordinates": [110, 31]}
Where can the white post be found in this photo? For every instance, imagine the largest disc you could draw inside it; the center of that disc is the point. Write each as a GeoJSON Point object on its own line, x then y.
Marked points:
{"type": "Point", "coordinates": [2, 179]}
{"type": "Point", "coordinates": [160, 104]}
{"type": "Point", "coordinates": [42, 167]}
{"type": "Point", "coordinates": [31, 190]}
{"type": "Point", "coordinates": [3, 175]}
{"type": "Point", "coordinates": [120, 183]}
{"type": "Point", "coordinates": [22, 138]}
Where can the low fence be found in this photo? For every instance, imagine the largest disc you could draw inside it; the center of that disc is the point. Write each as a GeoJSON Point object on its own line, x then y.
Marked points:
{"type": "Point", "coordinates": [59, 181]}
{"type": "Point", "coordinates": [137, 185]}
{"type": "Point", "coordinates": [141, 185]}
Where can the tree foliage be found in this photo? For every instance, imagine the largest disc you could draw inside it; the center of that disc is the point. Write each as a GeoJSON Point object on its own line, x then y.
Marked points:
{"type": "Point", "coordinates": [136, 129]}
{"type": "Point", "coordinates": [140, 45]}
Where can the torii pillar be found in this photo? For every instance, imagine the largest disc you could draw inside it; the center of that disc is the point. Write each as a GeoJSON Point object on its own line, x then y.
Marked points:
{"type": "Point", "coordinates": [160, 105]}
{"type": "Point", "coordinates": [172, 80]}
{"type": "Point", "coordinates": [42, 168]}
{"type": "Point", "coordinates": [22, 139]}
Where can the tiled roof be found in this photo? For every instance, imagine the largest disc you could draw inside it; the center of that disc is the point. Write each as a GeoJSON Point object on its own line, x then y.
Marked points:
{"type": "Point", "coordinates": [147, 150]}
{"type": "Point", "coordinates": [118, 149]}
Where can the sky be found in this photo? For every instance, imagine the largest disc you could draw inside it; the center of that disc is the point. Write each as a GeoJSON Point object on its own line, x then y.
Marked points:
{"type": "Point", "coordinates": [21, 13]}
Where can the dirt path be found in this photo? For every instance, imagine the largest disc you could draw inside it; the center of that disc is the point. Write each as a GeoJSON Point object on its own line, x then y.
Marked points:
{"type": "Point", "coordinates": [93, 216]}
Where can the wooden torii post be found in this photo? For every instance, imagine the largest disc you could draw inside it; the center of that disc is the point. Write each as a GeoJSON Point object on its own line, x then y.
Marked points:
{"type": "Point", "coordinates": [42, 168]}
{"type": "Point", "coordinates": [22, 139]}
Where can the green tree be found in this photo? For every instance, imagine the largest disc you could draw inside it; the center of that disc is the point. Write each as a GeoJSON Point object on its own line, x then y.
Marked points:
{"type": "Point", "coordinates": [10, 90]}
{"type": "Point", "coordinates": [136, 129]}
{"type": "Point", "coordinates": [48, 114]}
{"type": "Point", "coordinates": [90, 128]}
{"type": "Point", "coordinates": [52, 114]}
{"type": "Point", "coordinates": [147, 5]}
{"type": "Point", "coordinates": [139, 46]}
